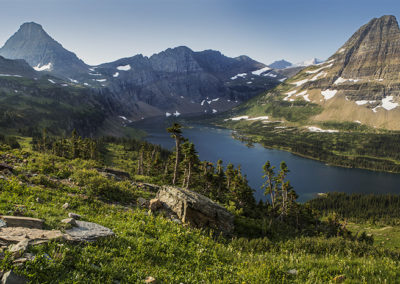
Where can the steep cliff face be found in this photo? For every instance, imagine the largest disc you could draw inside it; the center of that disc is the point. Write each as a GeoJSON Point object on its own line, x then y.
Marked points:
{"type": "Point", "coordinates": [359, 83]}
{"type": "Point", "coordinates": [181, 81]}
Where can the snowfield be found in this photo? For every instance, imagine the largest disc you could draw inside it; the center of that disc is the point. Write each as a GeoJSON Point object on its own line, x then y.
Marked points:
{"type": "Point", "coordinates": [299, 83]}
{"type": "Point", "coordinates": [124, 67]}
{"type": "Point", "coordinates": [388, 104]}
{"type": "Point", "coordinates": [260, 71]}
{"type": "Point", "coordinates": [341, 80]}
{"type": "Point", "coordinates": [116, 74]}
{"type": "Point", "coordinates": [363, 102]}
{"type": "Point", "coordinates": [328, 94]}
{"type": "Point", "coordinates": [242, 75]}
{"type": "Point", "coordinates": [319, 69]}
{"type": "Point", "coordinates": [46, 67]}
{"type": "Point", "coordinates": [318, 75]}
{"type": "Point", "coordinates": [317, 129]}
{"type": "Point", "coordinates": [289, 94]}
{"type": "Point", "coordinates": [246, 117]}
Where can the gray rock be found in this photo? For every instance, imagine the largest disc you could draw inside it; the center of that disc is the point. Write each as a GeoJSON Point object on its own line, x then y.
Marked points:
{"type": "Point", "coordinates": [74, 216]}
{"type": "Point", "coordinates": [196, 209]}
{"type": "Point", "coordinates": [65, 206]}
{"type": "Point", "coordinates": [87, 231]}
{"type": "Point", "coordinates": [70, 221]}
{"type": "Point", "coordinates": [3, 223]}
{"type": "Point", "coordinates": [11, 278]}
{"type": "Point", "coordinates": [26, 222]}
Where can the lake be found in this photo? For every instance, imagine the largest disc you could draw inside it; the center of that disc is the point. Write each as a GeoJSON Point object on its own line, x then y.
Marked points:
{"type": "Point", "coordinates": [308, 177]}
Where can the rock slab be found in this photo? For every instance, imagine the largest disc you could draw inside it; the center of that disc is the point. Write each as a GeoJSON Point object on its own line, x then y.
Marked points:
{"type": "Point", "coordinates": [26, 222]}
{"type": "Point", "coordinates": [87, 231]}
{"type": "Point", "coordinates": [196, 209]}
{"type": "Point", "coordinates": [17, 234]}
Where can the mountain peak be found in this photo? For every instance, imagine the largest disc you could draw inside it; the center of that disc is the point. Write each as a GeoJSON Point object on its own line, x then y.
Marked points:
{"type": "Point", "coordinates": [31, 25]}
{"type": "Point", "coordinates": [41, 51]}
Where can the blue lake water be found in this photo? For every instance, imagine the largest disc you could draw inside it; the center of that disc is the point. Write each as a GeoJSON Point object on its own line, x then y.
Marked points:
{"type": "Point", "coordinates": [308, 177]}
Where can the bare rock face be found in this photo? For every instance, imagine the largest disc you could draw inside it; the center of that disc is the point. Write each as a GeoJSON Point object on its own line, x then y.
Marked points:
{"type": "Point", "coordinates": [359, 83]}
{"type": "Point", "coordinates": [196, 209]}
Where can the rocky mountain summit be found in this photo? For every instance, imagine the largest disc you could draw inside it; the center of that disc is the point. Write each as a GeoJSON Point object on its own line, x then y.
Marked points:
{"type": "Point", "coordinates": [42, 52]}
{"type": "Point", "coordinates": [360, 83]}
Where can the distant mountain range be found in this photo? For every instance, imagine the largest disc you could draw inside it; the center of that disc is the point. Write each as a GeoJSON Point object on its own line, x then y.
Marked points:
{"type": "Point", "coordinates": [359, 83]}
{"type": "Point", "coordinates": [173, 82]}
{"type": "Point", "coordinates": [283, 64]}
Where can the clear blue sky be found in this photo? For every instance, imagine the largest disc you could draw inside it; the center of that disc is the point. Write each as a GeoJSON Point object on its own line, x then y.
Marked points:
{"type": "Point", "coordinates": [266, 30]}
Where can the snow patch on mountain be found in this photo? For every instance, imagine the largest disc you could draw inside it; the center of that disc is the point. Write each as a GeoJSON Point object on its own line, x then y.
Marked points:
{"type": "Point", "coordinates": [317, 129]}
{"type": "Point", "coordinates": [388, 104]}
{"type": "Point", "coordinates": [124, 67]}
{"type": "Point", "coordinates": [260, 71]}
{"type": "Point", "coordinates": [46, 67]}
{"type": "Point", "coordinates": [242, 75]}
{"type": "Point", "coordinates": [328, 94]}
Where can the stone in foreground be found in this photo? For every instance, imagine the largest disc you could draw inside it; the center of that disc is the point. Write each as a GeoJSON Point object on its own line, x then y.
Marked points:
{"type": "Point", "coordinates": [196, 209]}
{"type": "Point", "coordinates": [17, 234]}
{"type": "Point", "coordinates": [27, 222]}
{"type": "Point", "coordinates": [87, 231]}
{"type": "Point", "coordinates": [11, 278]}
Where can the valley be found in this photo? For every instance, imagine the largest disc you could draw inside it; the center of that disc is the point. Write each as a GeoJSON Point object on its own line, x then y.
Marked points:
{"type": "Point", "coordinates": [197, 165]}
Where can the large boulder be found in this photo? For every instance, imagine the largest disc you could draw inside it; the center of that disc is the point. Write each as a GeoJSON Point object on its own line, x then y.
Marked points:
{"type": "Point", "coordinates": [196, 209]}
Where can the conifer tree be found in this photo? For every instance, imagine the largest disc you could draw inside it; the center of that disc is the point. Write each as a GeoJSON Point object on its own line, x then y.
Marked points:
{"type": "Point", "coordinates": [176, 133]}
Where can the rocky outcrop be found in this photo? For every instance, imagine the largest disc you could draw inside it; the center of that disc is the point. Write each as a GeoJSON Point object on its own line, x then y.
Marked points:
{"type": "Point", "coordinates": [196, 209]}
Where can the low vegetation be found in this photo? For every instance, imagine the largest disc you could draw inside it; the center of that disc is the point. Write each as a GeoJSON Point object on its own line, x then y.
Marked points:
{"type": "Point", "coordinates": [280, 241]}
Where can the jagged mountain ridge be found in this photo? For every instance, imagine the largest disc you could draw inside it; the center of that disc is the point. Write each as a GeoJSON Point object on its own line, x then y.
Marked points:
{"type": "Point", "coordinates": [181, 81]}
{"type": "Point", "coordinates": [177, 80]}
{"type": "Point", "coordinates": [359, 83]}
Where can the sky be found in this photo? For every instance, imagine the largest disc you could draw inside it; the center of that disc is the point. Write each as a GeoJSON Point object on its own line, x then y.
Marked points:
{"type": "Point", "coordinates": [101, 31]}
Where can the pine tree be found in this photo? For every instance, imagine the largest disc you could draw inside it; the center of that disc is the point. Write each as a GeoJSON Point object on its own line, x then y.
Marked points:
{"type": "Point", "coordinates": [176, 133]}
{"type": "Point", "coordinates": [269, 185]}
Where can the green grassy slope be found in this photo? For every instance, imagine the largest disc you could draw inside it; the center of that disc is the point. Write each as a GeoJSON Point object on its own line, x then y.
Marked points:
{"type": "Point", "coordinates": [152, 245]}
